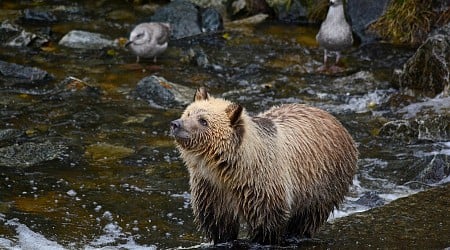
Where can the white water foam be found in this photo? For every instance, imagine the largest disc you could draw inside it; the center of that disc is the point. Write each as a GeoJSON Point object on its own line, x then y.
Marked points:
{"type": "Point", "coordinates": [439, 105]}
{"type": "Point", "coordinates": [27, 239]}
{"type": "Point", "coordinates": [30, 240]}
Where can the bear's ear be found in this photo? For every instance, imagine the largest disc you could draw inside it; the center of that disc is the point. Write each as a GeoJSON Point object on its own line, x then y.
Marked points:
{"type": "Point", "coordinates": [234, 112]}
{"type": "Point", "coordinates": [201, 94]}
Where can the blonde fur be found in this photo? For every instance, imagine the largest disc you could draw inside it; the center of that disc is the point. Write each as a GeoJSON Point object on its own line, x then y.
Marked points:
{"type": "Point", "coordinates": [282, 171]}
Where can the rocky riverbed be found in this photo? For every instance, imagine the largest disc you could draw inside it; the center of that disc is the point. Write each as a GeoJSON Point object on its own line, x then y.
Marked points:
{"type": "Point", "coordinates": [86, 160]}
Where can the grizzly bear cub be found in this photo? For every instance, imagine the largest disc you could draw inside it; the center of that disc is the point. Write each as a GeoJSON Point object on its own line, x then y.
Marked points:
{"type": "Point", "coordinates": [282, 171]}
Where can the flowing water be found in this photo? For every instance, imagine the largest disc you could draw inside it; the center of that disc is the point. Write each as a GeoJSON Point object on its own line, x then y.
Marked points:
{"type": "Point", "coordinates": [119, 180]}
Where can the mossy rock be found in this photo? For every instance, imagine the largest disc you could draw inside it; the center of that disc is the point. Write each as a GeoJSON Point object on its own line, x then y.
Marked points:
{"type": "Point", "coordinates": [427, 72]}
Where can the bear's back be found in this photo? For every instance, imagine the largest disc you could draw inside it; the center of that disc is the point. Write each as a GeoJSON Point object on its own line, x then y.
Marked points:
{"type": "Point", "coordinates": [313, 141]}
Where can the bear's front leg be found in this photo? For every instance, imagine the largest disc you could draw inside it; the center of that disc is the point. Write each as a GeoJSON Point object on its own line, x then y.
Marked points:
{"type": "Point", "coordinates": [267, 217]}
{"type": "Point", "coordinates": [211, 213]}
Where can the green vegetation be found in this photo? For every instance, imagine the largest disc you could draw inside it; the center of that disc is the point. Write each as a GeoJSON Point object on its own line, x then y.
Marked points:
{"type": "Point", "coordinates": [409, 21]}
{"type": "Point", "coordinates": [317, 10]}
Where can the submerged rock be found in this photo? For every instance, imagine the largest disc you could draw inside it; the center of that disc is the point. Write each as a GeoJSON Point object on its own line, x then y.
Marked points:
{"type": "Point", "coordinates": [370, 199]}
{"type": "Point", "coordinates": [79, 39]}
{"type": "Point", "coordinates": [160, 93]}
{"type": "Point", "coordinates": [19, 74]}
{"type": "Point", "coordinates": [15, 36]}
{"type": "Point", "coordinates": [427, 72]}
{"type": "Point", "coordinates": [31, 15]}
{"type": "Point", "coordinates": [30, 154]}
{"type": "Point", "coordinates": [107, 152]}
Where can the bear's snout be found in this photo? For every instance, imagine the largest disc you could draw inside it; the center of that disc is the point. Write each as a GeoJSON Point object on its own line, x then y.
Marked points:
{"type": "Point", "coordinates": [175, 124]}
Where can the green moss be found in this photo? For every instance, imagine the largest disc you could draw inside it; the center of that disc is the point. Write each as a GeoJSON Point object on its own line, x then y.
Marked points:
{"type": "Point", "coordinates": [408, 21]}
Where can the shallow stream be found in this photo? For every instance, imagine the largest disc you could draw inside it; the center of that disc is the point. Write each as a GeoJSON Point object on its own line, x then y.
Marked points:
{"type": "Point", "coordinates": [120, 182]}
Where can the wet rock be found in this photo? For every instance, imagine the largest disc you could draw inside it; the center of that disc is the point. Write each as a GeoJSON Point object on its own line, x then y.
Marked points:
{"type": "Point", "coordinates": [188, 19]}
{"type": "Point", "coordinates": [211, 20]}
{"type": "Point", "coordinates": [370, 199]}
{"type": "Point", "coordinates": [196, 56]}
{"type": "Point", "coordinates": [160, 93]}
{"type": "Point", "coordinates": [13, 73]}
{"type": "Point", "coordinates": [434, 168]}
{"type": "Point", "coordinates": [291, 12]}
{"type": "Point", "coordinates": [252, 7]}
{"type": "Point", "coordinates": [209, 3]}
{"type": "Point", "coordinates": [253, 20]}
{"type": "Point", "coordinates": [31, 15]}
{"type": "Point", "coordinates": [8, 135]}
{"type": "Point", "coordinates": [361, 13]}
{"type": "Point", "coordinates": [183, 16]}
{"type": "Point", "coordinates": [30, 154]}
{"type": "Point", "coordinates": [431, 127]}
{"type": "Point", "coordinates": [421, 216]}
{"type": "Point", "coordinates": [15, 36]}
{"type": "Point", "coordinates": [399, 130]}
{"type": "Point", "coordinates": [427, 72]}
{"type": "Point", "coordinates": [78, 39]}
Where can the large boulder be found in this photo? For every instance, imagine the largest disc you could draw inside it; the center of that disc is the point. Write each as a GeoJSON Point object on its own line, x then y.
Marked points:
{"type": "Point", "coordinates": [427, 72]}
{"type": "Point", "coordinates": [188, 19]}
{"type": "Point", "coordinates": [361, 13]}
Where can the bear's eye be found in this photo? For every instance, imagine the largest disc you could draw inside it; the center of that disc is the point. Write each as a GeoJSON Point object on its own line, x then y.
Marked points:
{"type": "Point", "coordinates": [203, 122]}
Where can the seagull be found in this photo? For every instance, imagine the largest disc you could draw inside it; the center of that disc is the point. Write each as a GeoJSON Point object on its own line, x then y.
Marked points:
{"type": "Point", "coordinates": [148, 40]}
{"type": "Point", "coordinates": [335, 33]}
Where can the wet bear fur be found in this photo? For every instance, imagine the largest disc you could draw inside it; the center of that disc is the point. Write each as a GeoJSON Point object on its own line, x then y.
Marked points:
{"type": "Point", "coordinates": [282, 171]}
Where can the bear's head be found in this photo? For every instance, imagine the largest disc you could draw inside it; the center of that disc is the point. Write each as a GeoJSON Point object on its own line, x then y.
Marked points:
{"type": "Point", "coordinates": [209, 125]}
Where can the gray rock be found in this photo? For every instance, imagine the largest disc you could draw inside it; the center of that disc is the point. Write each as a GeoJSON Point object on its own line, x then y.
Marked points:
{"type": "Point", "coordinates": [16, 73]}
{"type": "Point", "coordinates": [362, 13]}
{"type": "Point", "coordinates": [183, 16]}
{"type": "Point", "coordinates": [188, 19]}
{"type": "Point", "coordinates": [427, 72]}
{"type": "Point", "coordinates": [211, 20]}
{"type": "Point", "coordinates": [437, 168]}
{"type": "Point", "coordinates": [160, 93]}
{"type": "Point", "coordinates": [79, 39]}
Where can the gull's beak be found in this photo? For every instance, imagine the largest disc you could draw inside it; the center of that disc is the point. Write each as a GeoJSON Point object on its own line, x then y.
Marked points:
{"type": "Point", "coordinates": [128, 43]}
